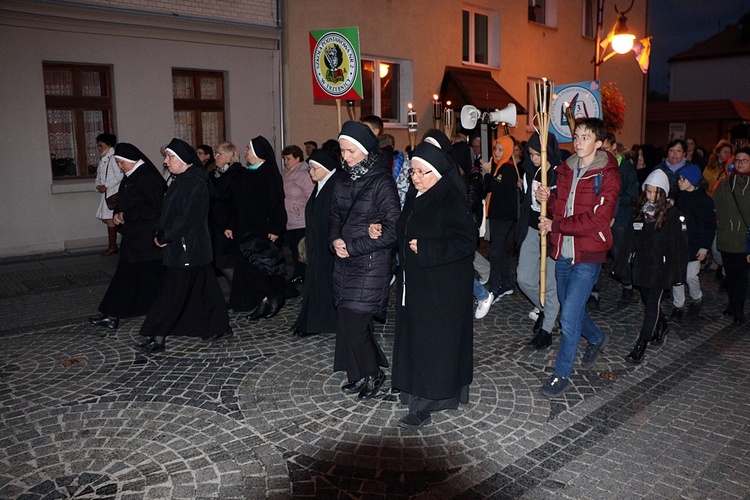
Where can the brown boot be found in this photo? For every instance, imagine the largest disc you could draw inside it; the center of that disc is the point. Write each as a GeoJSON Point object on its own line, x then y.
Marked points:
{"type": "Point", "coordinates": [112, 248]}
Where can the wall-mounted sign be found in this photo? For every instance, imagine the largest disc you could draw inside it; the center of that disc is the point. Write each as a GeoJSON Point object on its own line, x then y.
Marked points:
{"type": "Point", "coordinates": [586, 99]}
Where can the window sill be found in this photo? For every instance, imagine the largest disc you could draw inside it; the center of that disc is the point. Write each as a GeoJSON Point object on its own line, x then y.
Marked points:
{"type": "Point", "coordinates": [72, 186]}
{"type": "Point", "coordinates": [479, 66]}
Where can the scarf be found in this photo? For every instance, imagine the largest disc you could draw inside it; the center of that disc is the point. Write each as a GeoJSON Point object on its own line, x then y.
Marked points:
{"type": "Point", "coordinates": [649, 212]}
{"type": "Point", "coordinates": [363, 166]}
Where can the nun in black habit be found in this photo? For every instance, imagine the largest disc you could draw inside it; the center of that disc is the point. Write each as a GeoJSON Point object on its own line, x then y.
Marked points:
{"type": "Point", "coordinates": [257, 220]}
{"type": "Point", "coordinates": [191, 302]}
{"type": "Point", "coordinates": [318, 313]}
{"type": "Point", "coordinates": [138, 276]}
{"type": "Point", "coordinates": [433, 345]}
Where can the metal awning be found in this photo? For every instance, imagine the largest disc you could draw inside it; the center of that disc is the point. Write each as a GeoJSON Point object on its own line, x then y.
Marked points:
{"type": "Point", "coordinates": [464, 86]}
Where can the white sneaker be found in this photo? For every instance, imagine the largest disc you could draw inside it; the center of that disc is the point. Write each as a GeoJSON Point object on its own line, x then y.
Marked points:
{"type": "Point", "coordinates": [534, 314]}
{"type": "Point", "coordinates": [483, 306]}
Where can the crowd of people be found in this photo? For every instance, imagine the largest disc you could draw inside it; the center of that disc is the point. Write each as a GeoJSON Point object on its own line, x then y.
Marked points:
{"type": "Point", "coordinates": [360, 217]}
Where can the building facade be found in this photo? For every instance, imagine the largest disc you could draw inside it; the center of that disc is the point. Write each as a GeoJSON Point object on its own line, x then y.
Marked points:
{"type": "Point", "coordinates": [412, 43]}
{"type": "Point", "coordinates": [145, 71]}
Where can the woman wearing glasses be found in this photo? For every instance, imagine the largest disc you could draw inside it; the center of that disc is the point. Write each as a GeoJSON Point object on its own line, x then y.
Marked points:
{"type": "Point", "coordinates": [191, 302]}
{"type": "Point", "coordinates": [228, 169]}
{"type": "Point", "coordinates": [432, 353]}
{"type": "Point", "coordinates": [732, 198]}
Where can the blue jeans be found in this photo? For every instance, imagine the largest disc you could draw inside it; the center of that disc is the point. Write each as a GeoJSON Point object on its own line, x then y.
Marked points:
{"type": "Point", "coordinates": [480, 292]}
{"type": "Point", "coordinates": [574, 285]}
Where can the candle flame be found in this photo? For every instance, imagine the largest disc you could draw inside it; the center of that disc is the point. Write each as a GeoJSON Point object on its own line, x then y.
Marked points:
{"type": "Point", "coordinates": [435, 97]}
{"type": "Point", "coordinates": [410, 106]}
{"type": "Point", "coordinates": [447, 103]}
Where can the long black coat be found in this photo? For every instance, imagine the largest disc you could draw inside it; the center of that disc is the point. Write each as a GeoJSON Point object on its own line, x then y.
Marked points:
{"type": "Point", "coordinates": [658, 258]}
{"type": "Point", "coordinates": [433, 348]}
{"type": "Point", "coordinates": [361, 281]}
{"type": "Point", "coordinates": [140, 200]}
{"type": "Point", "coordinates": [184, 221]}
{"type": "Point", "coordinates": [219, 212]}
{"type": "Point", "coordinates": [318, 312]}
{"type": "Point", "coordinates": [257, 203]}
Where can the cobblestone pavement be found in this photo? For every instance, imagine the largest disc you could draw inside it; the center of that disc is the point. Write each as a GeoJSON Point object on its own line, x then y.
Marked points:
{"type": "Point", "coordinates": [260, 415]}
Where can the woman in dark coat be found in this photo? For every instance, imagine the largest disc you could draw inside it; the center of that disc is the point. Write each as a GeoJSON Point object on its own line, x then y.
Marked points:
{"type": "Point", "coordinates": [191, 302]}
{"type": "Point", "coordinates": [362, 272]}
{"type": "Point", "coordinates": [137, 280]}
{"type": "Point", "coordinates": [433, 348]}
{"type": "Point", "coordinates": [318, 314]}
{"type": "Point", "coordinates": [501, 184]}
{"type": "Point", "coordinates": [257, 220]}
{"type": "Point", "coordinates": [228, 169]}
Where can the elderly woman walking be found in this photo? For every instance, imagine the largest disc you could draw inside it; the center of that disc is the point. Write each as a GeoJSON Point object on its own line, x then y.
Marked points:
{"type": "Point", "coordinates": [433, 351]}
{"type": "Point", "coordinates": [191, 302]}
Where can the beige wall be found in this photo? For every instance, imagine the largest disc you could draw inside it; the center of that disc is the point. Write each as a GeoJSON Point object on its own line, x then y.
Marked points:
{"type": "Point", "coordinates": [40, 214]}
{"type": "Point", "coordinates": [429, 34]}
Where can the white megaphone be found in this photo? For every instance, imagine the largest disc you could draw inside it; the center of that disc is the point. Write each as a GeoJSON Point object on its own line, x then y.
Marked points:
{"type": "Point", "coordinates": [507, 115]}
{"type": "Point", "coordinates": [470, 116]}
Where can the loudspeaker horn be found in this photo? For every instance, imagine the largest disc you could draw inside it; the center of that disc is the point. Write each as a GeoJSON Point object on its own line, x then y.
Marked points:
{"type": "Point", "coordinates": [470, 116]}
{"type": "Point", "coordinates": [506, 115]}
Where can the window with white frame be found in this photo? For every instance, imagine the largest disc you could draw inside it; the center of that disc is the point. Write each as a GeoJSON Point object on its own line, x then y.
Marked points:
{"type": "Point", "coordinates": [481, 36]}
{"type": "Point", "coordinates": [588, 21]}
{"type": "Point", "coordinates": [198, 98]}
{"type": "Point", "coordinates": [79, 105]}
{"type": "Point", "coordinates": [543, 12]}
{"type": "Point", "coordinates": [386, 84]}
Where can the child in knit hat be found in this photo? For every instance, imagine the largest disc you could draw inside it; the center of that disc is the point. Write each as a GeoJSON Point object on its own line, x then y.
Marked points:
{"type": "Point", "coordinates": [700, 218]}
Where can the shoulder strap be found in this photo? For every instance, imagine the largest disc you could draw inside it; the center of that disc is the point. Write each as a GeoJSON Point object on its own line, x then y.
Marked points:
{"type": "Point", "coordinates": [734, 197]}
{"type": "Point", "coordinates": [598, 182]}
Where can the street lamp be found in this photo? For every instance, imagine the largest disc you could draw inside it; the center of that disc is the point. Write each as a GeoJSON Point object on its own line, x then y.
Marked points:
{"type": "Point", "coordinates": [622, 39]}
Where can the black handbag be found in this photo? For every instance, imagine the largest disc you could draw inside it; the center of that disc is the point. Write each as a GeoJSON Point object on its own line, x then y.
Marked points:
{"type": "Point", "coordinates": [264, 255]}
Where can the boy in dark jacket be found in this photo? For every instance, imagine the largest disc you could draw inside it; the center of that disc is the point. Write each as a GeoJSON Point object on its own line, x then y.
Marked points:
{"type": "Point", "coordinates": [700, 217]}
{"type": "Point", "coordinates": [588, 184]}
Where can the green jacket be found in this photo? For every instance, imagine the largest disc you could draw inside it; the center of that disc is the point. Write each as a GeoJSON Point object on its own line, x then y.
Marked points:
{"type": "Point", "coordinates": [732, 231]}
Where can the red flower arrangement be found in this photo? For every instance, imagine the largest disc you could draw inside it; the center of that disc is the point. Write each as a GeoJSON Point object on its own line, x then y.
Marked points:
{"type": "Point", "coordinates": [613, 107]}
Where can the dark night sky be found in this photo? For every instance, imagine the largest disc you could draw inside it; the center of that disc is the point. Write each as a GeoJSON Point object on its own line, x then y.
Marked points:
{"type": "Point", "coordinates": [677, 25]}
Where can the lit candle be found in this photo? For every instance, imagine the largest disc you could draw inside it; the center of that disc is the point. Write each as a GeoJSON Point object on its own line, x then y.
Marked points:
{"type": "Point", "coordinates": [448, 120]}
{"type": "Point", "coordinates": [437, 110]}
{"type": "Point", "coordinates": [411, 119]}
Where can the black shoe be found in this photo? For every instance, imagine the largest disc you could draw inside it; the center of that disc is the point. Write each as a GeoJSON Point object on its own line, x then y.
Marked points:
{"type": "Point", "coordinates": [660, 333]}
{"type": "Point", "coordinates": [353, 387]}
{"type": "Point", "coordinates": [592, 304]}
{"type": "Point", "coordinates": [111, 323]}
{"type": "Point", "coordinates": [542, 340]}
{"type": "Point", "coordinates": [678, 313]}
{"type": "Point", "coordinates": [414, 420]}
{"type": "Point", "coordinates": [302, 333]}
{"type": "Point", "coordinates": [210, 338]}
{"type": "Point", "coordinates": [739, 317]}
{"type": "Point", "coordinates": [626, 298]}
{"type": "Point", "coordinates": [729, 311]}
{"type": "Point", "coordinates": [276, 305]}
{"type": "Point", "coordinates": [636, 355]}
{"type": "Point", "coordinates": [372, 386]}
{"type": "Point", "coordinates": [297, 280]}
{"type": "Point", "coordinates": [538, 323]}
{"type": "Point", "coordinates": [261, 311]}
{"type": "Point", "coordinates": [694, 309]}
{"type": "Point", "coordinates": [152, 347]}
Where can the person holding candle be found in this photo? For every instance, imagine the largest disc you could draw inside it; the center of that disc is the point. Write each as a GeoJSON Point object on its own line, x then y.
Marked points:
{"type": "Point", "coordinates": [588, 184]}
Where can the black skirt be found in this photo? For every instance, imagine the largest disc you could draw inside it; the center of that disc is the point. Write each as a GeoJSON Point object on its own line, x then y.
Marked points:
{"type": "Point", "coordinates": [250, 286]}
{"type": "Point", "coordinates": [133, 289]}
{"type": "Point", "coordinates": [190, 304]}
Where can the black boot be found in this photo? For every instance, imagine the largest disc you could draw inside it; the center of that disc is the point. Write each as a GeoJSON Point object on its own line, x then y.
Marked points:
{"type": "Point", "coordinates": [542, 340]}
{"type": "Point", "coordinates": [372, 385]}
{"type": "Point", "coordinates": [636, 355]}
{"type": "Point", "coordinates": [538, 323]}
{"type": "Point", "coordinates": [660, 332]}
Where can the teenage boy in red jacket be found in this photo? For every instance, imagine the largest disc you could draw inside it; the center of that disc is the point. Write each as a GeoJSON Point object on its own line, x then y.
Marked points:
{"type": "Point", "coordinates": [588, 184]}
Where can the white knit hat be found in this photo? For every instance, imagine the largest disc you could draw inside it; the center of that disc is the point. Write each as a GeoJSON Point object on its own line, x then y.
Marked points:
{"type": "Point", "coordinates": [658, 179]}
